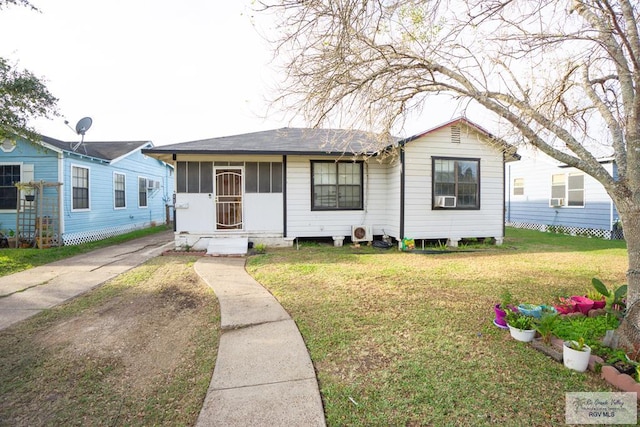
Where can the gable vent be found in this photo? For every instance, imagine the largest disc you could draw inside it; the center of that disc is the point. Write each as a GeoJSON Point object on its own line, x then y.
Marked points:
{"type": "Point", "coordinates": [455, 134]}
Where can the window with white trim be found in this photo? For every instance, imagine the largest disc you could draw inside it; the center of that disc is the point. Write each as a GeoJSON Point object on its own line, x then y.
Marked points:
{"type": "Point", "coordinates": [142, 192]}
{"type": "Point", "coordinates": [567, 190]}
{"type": "Point", "coordinates": [119, 191]}
{"type": "Point", "coordinates": [80, 188]}
{"type": "Point", "coordinates": [9, 175]}
{"type": "Point", "coordinates": [518, 186]}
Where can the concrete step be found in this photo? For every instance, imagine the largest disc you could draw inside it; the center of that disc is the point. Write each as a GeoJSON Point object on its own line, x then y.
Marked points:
{"type": "Point", "coordinates": [228, 246]}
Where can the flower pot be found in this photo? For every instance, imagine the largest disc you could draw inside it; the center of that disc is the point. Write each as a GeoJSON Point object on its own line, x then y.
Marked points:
{"type": "Point", "coordinates": [598, 304]}
{"type": "Point", "coordinates": [576, 359]}
{"type": "Point", "coordinates": [500, 320]}
{"type": "Point", "coordinates": [530, 310]}
{"type": "Point", "coordinates": [583, 304]}
{"type": "Point", "coordinates": [524, 335]}
{"type": "Point", "coordinates": [30, 197]}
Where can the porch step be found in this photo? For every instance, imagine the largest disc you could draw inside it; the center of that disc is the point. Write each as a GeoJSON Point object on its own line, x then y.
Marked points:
{"type": "Point", "coordinates": [228, 246]}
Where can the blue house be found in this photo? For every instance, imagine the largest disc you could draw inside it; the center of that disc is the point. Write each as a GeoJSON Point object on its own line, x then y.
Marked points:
{"type": "Point", "coordinates": [70, 193]}
{"type": "Point", "coordinates": [546, 195]}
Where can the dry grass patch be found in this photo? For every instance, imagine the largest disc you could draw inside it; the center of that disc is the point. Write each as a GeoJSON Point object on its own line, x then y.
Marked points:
{"type": "Point", "coordinates": [139, 350]}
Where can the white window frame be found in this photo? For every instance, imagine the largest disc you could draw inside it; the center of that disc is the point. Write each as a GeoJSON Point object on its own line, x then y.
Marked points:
{"type": "Point", "coordinates": [520, 187]}
{"type": "Point", "coordinates": [566, 190]}
{"type": "Point", "coordinates": [124, 190]}
{"type": "Point", "coordinates": [146, 180]}
{"type": "Point", "coordinates": [19, 194]}
{"type": "Point", "coordinates": [88, 208]}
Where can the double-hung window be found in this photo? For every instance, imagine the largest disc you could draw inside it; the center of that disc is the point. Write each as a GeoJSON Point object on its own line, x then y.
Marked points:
{"type": "Point", "coordinates": [336, 185]}
{"type": "Point", "coordinates": [119, 195]}
{"type": "Point", "coordinates": [80, 187]}
{"type": "Point", "coordinates": [459, 178]}
{"type": "Point", "coordinates": [142, 192]}
{"type": "Point", "coordinates": [567, 190]}
{"type": "Point", "coordinates": [9, 175]}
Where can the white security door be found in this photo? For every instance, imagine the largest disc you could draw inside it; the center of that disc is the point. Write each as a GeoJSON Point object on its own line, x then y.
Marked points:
{"type": "Point", "coordinates": [229, 199]}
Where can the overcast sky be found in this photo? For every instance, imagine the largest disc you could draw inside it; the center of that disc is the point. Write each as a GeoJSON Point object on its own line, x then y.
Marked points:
{"type": "Point", "coordinates": [165, 71]}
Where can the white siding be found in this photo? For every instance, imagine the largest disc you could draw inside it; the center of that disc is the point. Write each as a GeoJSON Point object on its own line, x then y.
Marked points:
{"type": "Point", "coordinates": [423, 222]}
{"type": "Point", "coordinates": [303, 222]}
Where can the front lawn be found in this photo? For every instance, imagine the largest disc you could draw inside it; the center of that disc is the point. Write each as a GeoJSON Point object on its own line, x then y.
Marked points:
{"type": "Point", "coordinates": [407, 338]}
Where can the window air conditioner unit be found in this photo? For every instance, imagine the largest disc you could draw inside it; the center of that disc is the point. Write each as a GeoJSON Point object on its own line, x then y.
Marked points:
{"type": "Point", "coordinates": [153, 184]}
{"type": "Point", "coordinates": [446, 201]}
{"type": "Point", "coordinates": [555, 202]}
{"type": "Point", "coordinates": [361, 233]}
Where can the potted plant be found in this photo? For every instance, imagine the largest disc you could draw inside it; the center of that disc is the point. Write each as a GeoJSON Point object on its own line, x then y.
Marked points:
{"type": "Point", "coordinates": [576, 354]}
{"type": "Point", "coordinates": [583, 304]}
{"type": "Point", "coordinates": [544, 326]}
{"type": "Point", "coordinates": [521, 327]}
{"type": "Point", "coordinates": [530, 310]}
{"type": "Point", "coordinates": [597, 298]}
{"type": "Point", "coordinates": [500, 309]}
{"type": "Point", "coordinates": [27, 189]}
{"type": "Point", "coordinates": [614, 299]}
{"type": "Point", "coordinates": [565, 305]}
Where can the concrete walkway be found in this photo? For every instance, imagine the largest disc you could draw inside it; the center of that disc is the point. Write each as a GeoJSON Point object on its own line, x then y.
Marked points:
{"type": "Point", "coordinates": [263, 374]}
{"type": "Point", "coordinates": [28, 292]}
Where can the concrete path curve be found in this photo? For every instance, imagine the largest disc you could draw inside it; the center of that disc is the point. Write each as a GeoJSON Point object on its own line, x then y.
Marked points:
{"type": "Point", "coordinates": [263, 374]}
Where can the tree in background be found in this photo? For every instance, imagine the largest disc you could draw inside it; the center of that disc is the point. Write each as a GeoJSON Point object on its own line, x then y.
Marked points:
{"type": "Point", "coordinates": [562, 76]}
{"type": "Point", "coordinates": [23, 96]}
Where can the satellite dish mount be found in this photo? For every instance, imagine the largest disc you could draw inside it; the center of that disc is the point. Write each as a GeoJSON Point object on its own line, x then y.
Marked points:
{"type": "Point", "coordinates": [82, 127]}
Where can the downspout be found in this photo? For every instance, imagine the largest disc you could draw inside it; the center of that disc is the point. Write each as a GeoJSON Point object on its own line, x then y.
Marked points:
{"type": "Point", "coordinates": [284, 196]}
{"type": "Point", "coordinates": [61, 198]}
{"type": "Point", "coordinates": [506, 187]}
{"type": "Point", "coordinates": [402, 177]}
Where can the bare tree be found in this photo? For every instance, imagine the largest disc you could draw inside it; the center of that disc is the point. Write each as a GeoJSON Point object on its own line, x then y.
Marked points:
{"type": "Point", "coordinates": [562, 76]}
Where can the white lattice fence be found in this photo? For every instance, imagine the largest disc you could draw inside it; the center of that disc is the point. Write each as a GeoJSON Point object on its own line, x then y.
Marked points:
{"type": "Point", "coordinates": [570, 230]}
{"type": "Point", "coordinates": [92, 236]}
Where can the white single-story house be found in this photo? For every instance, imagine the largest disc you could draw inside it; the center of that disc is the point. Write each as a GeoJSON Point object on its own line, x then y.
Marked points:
{"type": "Point", "coordinates": [275, 186]}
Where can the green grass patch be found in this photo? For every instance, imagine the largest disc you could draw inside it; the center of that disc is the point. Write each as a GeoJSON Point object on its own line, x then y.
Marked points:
{"type": "Point", "coordinates": [407, 338]}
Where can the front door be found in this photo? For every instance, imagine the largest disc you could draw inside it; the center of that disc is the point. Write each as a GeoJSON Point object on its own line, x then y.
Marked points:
{"type": "Point", "coordinates": [229, 199]}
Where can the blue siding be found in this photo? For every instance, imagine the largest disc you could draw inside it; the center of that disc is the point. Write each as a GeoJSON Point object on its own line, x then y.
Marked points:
{"type": "Point", "coordinates": [45, 168]}
{"type": "Point", "coordinates": [102, 213]}
{"type": "Point", "coordinates": [102, 219]}
{"type": "Point", "coordinates": [533, 206]}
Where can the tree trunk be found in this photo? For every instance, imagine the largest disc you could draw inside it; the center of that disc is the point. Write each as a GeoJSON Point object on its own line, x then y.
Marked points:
{"type": "Point", "coordinates": [628, 333]}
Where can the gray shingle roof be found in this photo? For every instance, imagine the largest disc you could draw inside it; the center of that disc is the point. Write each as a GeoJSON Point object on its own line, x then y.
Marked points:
{"type": "Point", "coordinates": [107, 150]}
{"type": "Point", "coordinates": [283, 141]}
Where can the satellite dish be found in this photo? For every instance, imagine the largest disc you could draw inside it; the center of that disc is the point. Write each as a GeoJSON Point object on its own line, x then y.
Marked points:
{"type": "Point", "coordinates": [83, 125]}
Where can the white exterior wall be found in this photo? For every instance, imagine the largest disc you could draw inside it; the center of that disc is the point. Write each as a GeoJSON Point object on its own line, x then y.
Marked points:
{"type": "Point", "coordinates": [262, 212]}
{"type": "Point", "coordinates": [423, 222]}
{"type": "Point", "coordinates": [303, 222]}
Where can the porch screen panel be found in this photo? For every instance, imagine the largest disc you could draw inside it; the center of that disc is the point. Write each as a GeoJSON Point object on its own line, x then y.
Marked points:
{"type": "Point", "coordinates": [251, 177]}
{"type": "Point", "coordinates": [181, 176]}
{"type": "Point", "coordinates": [193, 177]}
{"type": "Point", "coordinates": [206, 177]}
{"type": "Point", "coordinates": [276, 177]}
{"type": "Point", "coordinates": [264, 177]}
